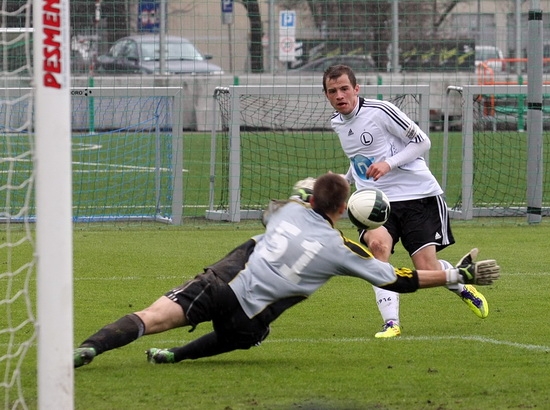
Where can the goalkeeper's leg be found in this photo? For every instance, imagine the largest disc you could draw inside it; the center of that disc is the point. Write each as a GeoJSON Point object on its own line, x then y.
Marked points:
{"type": "Point", "coordinates": [117, 334]}
{"type": "Point", "coordinates": [162, 315]}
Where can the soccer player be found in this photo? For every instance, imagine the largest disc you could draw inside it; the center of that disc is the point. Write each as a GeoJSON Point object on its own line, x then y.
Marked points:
{"type": "Point", "coordinates": [256, 282]}
{"type": "Point", "coordinates": [385, 148]}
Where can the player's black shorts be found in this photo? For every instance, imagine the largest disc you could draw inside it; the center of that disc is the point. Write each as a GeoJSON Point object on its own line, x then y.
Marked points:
{"type": "Point", "coordinates": [419, 223]}
{"type": "Point", "coordinates": [208, 297]}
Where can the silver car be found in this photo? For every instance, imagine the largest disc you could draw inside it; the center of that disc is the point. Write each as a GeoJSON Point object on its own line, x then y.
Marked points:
{"type": "Point", "coordinates": [140, 54]}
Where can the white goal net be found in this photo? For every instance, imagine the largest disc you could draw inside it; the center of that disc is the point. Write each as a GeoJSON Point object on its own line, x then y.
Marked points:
{"type": "Point", "coordinates": [272, 136]}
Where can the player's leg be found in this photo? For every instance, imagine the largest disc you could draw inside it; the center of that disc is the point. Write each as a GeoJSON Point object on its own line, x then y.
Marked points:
{"type": "Point", "coordinates": [233, 330]}
{"type": "Point", "coordinates": [162, 315]}
{"type": "Point", "coordinates": [428, 232]}
{"type": "Point", "coordinates": [380, 243]}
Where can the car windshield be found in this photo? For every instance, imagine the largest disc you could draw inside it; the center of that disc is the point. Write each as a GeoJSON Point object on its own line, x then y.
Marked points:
{"type": "Point", "coordinates": [174, 51]}
{"type": "Point", "coordinates": [483, 54]}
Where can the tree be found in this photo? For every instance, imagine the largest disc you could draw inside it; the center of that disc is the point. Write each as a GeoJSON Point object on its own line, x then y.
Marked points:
{"type": "Point", "coordinates": [256, 34]}
{"type": "Point", "coordinates": [368, 23]}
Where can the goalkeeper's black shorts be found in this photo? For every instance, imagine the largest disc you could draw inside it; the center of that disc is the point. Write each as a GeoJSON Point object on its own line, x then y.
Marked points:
{"type": "Point", "coordinates": [209, 298]}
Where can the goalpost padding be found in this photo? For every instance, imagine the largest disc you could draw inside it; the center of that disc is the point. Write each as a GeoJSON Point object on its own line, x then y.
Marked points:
{"type": "Point", "coordinates": [273, 136]}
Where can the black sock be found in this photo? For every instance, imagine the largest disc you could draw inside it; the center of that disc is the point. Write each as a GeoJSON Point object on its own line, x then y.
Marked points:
{"type": "Point", "coordinates": [204, 346]}
{"type": "Point", "coordinates": [125, 330]}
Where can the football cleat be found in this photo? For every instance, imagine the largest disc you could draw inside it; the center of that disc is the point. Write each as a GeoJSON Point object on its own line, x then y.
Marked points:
{"type": "Point", "coordinates": [475, 301]}
{"type": "Point", "coordinates": [390, 329]}
{"type": "Point", "coordinates": [83, 356]}
{"type": "Point", "coordinates": [160, 356]}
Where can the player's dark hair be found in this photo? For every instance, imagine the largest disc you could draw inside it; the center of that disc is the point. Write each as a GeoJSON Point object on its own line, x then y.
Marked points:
{"type": "Point", "coordinates": [329, 193]}
{"type": "Point", "coordinates": [336, 71]}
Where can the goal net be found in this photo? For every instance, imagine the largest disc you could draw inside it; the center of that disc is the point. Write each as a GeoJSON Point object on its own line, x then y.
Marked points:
{"type": "Point", "coordinates": [486, 166]}
{"type": "Point", "coordinates": [125, 152]}
{"type": "Point", "coordinates": [270, 137]}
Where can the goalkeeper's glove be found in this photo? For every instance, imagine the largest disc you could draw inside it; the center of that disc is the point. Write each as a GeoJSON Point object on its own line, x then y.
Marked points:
{"type": "Point", "coordinates": [303, 189]}
{"type": "Point", "coordinates": [479, 273]}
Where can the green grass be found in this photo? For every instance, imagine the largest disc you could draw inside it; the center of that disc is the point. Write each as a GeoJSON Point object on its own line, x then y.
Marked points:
{"type": "Point", "coordinates": [322, 353]}
{"type": "Point", "coordinates": [114, 173]}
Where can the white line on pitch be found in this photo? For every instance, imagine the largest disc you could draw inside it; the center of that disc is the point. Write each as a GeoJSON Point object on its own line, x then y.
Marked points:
{"type": "Point", "coordinates": [481, 339]}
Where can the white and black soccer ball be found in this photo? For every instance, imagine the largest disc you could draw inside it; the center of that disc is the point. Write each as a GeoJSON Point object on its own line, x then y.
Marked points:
{"type": "Point", "coordinates": [368, 208]}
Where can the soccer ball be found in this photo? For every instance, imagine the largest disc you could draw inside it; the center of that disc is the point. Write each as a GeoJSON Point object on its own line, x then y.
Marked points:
{"type": "Point", "coordinates": [368, 208]}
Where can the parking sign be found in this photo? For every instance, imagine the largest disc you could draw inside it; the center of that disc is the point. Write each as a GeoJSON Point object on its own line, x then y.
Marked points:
{"type": "Point", "coordinates": [287, 35]}
{"type": "Point", "coordinates": [288, 19]}
{"type": "Point", "coordinates": [227, 11]}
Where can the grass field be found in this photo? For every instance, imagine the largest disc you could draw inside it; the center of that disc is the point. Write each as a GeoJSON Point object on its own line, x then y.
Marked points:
{"type": "Point", "coordinates": [322, 353]}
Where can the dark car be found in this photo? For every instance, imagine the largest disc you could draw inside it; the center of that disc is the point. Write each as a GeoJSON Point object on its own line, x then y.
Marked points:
{"type": "Point", "coordinates": [358, 63]}
{"type": "Point", "coordinates": [141, 54]}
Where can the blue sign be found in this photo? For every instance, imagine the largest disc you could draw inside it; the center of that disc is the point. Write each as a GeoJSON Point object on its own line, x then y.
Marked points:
{"type": "Point", "coordinates": [149, 16]}
{"type": "Point", "coordinates": [227, 6]}
{"type": "Point", "coordinates": [288, 19]}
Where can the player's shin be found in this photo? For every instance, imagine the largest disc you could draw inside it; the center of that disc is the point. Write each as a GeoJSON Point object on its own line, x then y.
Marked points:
{"type": "Point", "coordinates": [117, 334]}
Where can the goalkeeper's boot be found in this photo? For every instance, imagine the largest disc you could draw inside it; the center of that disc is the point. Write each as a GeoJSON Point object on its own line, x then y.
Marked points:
{"type": "Point", "coordinates": [467, 259]}
{"type": "Point", "coordinates": [390, 329]}
{"type": "Point", "coordinates": [159, 356]}
{"type": "Point", "coordinates": [83, 355]}
{"type": "Point", "coordinates": [475, 301]}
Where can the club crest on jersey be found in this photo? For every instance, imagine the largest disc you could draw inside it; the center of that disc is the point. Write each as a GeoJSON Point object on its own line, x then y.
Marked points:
{"type": "Point", "coordinates": [366, 138]}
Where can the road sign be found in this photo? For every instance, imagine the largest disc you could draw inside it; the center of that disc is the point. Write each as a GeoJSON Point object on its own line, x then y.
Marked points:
{"type": "Point", "coordinates": [287, 19]}
{"type": "Point", "coordinates": [287, 35]}
{"type": "Point", "coordinates": [227, 11]}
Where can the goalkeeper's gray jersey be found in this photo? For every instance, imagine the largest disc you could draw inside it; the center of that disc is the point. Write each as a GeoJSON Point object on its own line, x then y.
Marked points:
{"type": "Point", "coordinates": [375, 131]}
{"type": "Point", "coordinates": [299, 252]}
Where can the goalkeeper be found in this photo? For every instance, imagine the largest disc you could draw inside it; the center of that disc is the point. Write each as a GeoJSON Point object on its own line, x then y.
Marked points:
{"type": "Point", "coordinates": [256, 282]}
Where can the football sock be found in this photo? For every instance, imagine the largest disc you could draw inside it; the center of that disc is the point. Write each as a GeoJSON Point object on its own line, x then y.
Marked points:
{"type": "Point", "coordinates": [204, 346]}
{"type": "Point", "coordinates": [117, 334]}
{"type": "Point", "coordinates": [388, 304]}
{"type": "Point", "coordinates": [454, 287]}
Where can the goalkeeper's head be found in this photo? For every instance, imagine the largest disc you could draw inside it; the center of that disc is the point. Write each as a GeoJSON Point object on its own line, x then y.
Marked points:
{"type": "Point", "coordinates": [303, 189]}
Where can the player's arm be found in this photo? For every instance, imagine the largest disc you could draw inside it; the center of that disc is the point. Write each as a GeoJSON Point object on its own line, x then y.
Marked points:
{"type": "Point", "coordinates": [416, 141]}
{"type": "Point", "coordinates": [479, 273]}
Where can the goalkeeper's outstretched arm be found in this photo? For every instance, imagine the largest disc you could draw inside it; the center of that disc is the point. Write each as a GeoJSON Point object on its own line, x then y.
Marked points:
{"type": "Point", "coordinates": [479, 273]}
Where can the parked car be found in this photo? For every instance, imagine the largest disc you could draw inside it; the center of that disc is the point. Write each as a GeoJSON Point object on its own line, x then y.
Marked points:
{"type": "Point", "coordinates": [484, 53]}
{"type": "Point", "coordinates": [359, 63]}
{"type": "Point", "coordinates": [141, 54]}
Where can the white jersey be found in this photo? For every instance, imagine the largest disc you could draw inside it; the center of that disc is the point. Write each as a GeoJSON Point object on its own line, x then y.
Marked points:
{"type": "Point", "coordinates": [299, 252]}
{"type": "Point", "coordinates": [379, 131]}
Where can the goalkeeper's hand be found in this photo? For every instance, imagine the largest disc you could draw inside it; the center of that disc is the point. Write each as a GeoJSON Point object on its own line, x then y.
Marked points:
{"type": "Point", "coordinates": [480, 273]}
{"type": "Point", "coordinates": [303, 189]}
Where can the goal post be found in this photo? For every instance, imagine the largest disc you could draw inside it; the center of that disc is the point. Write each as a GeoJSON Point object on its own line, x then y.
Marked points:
{"type": "Point", "coordinates": [128, 164]}
{"type": "Point", "coordinates": [53, 190]}
{"type": "Point", "coordinates": [502, 169]}
{"type": "Point", "coordinates": [271, 136]}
